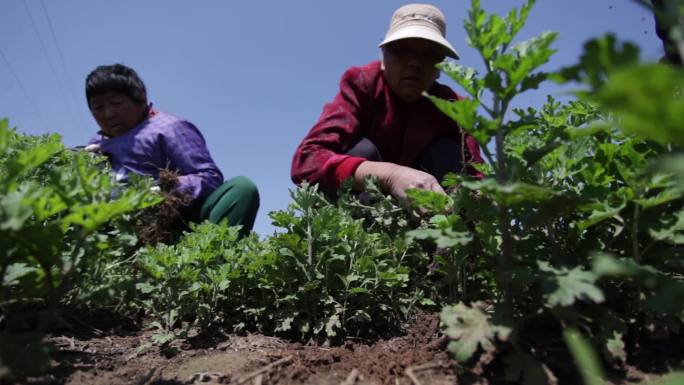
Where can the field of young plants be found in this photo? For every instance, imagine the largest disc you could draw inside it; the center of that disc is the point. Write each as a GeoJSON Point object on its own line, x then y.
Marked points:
{"type": "Point", "coordinates": [565, 265]}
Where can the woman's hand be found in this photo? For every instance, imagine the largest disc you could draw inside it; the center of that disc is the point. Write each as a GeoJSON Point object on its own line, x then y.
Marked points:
{"type": "Point", "coordinates": [396, 179]}
{"type": "Point", "coordinates": [95, 148]}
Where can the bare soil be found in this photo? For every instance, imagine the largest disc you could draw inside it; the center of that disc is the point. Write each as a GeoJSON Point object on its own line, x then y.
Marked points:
{"type": "Point", "coordinates": [119, 352]}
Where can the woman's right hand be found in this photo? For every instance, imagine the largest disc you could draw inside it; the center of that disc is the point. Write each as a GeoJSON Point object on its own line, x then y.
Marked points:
{"type": "Point", "coordinates": [396, 179]}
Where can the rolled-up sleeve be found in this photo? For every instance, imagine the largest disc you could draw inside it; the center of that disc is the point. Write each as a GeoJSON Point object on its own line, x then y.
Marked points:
{"type": "Point", "coordinates": [187, 154]}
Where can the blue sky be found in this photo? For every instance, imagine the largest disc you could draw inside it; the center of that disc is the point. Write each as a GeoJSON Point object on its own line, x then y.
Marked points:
{"type": "Point", "coordinates": [252, 75]}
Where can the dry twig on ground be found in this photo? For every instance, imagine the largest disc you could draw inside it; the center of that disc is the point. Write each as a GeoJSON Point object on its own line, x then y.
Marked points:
{"type": "Point", "coordinates": [411, 369]}
{"type": "Point", "coordinates": [351, 378]}
{"type": "Point", "coordinates": [265, 369]}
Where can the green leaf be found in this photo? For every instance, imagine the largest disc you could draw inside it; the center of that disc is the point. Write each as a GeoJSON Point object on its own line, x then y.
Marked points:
{"type": "Point", "coordinates": [615, 347]}
{"type": "Point", "coordinates": [585, 357]}
{"type": "Point", "coordinates": [15, 272]}
{"type": "Point", "coordinates": [449, 231]}
{"type": "Point", "coordinates": [671, 379]}
{"type": "Point", "coordinates": [469, 328]}
{"type": "Point", "coordinates": [648, 101]}
{"type": "Point", "coordinates": [332, 325]}
{"type": "Point", "coordinates": [512, 193]}
{"type": "Point", "coordinates": [163, 338]}
{"type": "Point", "coordinates": [490, 33]}
{"type": "Point", "coordinates": [427, 302]}
{"type": "Point", "coordinates": [285, 324]}
{"type": "Point", "coordinates": [429, 200]}
{"type": "Point", "coordinates": [533, 81]}
{"type": "Point", "coordinates": [145, 287]}
{"type": "Point", "coordinates": [527, 56]}
{"type": "Point", "coordinates": [95, 214]}
{"type": "Point", "coordinates": [664, 196]}
{"type": "Point", "coordinates": [14, 210]}
{"type": "Point", "coordinates": [494, 82]}
{"type": "Point", "coordinates": [671, 231]}
{"type": "Point", "coordinates": [29, 159]}
{"type": "Point", "coordinates": [600, 211]}
{"type": "Point", "coordinates": [361, 316]}
{"type": "Point", "coordinates": [463, 112]}
{"type": "Point", "coordinates": [444, 238]}
{"type": "Point", "coordinates": [466, 77]}
{"type": "Point", "coordinates": [600, 57]}
{"type": "Point", "coordinates": [485, 32]}
{"type": "Point", "coordinates": [4, 135]}
{"type": "Point", "coordinates": [564, 286]}
{"type": "Point", "coordinates": [605, 265]}
{"type": "Point", "coordinates": [672, 164]}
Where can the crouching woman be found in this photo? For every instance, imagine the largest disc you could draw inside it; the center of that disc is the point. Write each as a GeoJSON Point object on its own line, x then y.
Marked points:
{"type": "Point", "coordinates": [142, 140]}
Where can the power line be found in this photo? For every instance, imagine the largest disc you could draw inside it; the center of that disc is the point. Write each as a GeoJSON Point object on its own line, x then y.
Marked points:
{"type": "Point", "coordinates": [23, 89]}
{"type": "Point", "coordinates": [52, 67]}
{"type": "Point", "coordinates": [61, 59]}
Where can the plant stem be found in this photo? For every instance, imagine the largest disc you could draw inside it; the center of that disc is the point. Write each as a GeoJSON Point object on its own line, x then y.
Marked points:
{"type": "Point", "coordinates": [309, 239]}
{"type": "Point", "coordinates": [500, 107]}
{"type": "Point", "coordinates": [501, 174]}
{"type": "Point", "coordinates": [502, 177]}
{"type": "Point", "coordinates": [52, 299]}
{"type": "Point", "coordinates": [4, 292]}
{"type": "Point", "coordinates": [555, 249]}
{"type": "Point", "coordinates": [635, 233]}
{"type": "Point", "coordinates": [464, 276]}
{"type": "Point", "coordinates": [488, 155]}
{"type": "Point", "coordinates": [506, 259]}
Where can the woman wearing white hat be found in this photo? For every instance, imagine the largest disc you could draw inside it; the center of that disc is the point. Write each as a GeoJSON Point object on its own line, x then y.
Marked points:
{"type": "Point", "coordinates": [381, 125]}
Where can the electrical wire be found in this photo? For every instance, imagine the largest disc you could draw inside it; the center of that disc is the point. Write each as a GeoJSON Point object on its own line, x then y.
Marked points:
{"type": "Point", "coordinates": [61, 59]}
{"type": "Point", "coordinates": [32, 103]}
{"type": "Point", "coordinates": [52, 67]}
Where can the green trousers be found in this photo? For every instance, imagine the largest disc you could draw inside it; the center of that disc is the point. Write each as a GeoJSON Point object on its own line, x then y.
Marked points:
{"type": "Point", "coordinates": [236, 200]}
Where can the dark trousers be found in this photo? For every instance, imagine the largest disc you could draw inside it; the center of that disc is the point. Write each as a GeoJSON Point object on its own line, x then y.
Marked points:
{"type": "Point", "coordinates": [441, 157]}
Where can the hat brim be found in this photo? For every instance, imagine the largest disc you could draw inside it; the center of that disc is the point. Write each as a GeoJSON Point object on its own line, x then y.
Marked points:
{"type": "Point", "coordinates": [416, 31]}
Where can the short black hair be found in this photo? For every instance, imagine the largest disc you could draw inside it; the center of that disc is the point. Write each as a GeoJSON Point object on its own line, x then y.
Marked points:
{"type": "Point", "coordinates": [115, 78]}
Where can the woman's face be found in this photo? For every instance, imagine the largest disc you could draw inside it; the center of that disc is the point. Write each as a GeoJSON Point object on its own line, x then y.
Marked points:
{"type": "Point", "coordinates": [409, 66]}
{"type": "Point", "coordinates": [117, 113]}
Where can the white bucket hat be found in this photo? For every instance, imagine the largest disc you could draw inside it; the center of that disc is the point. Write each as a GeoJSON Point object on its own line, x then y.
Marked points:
{"type": "Point", "coordinates": [422, 21]}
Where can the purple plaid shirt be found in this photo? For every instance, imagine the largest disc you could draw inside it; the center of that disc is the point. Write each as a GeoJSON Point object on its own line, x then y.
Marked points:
{"type": "Point", "coordinates": [161, 141]}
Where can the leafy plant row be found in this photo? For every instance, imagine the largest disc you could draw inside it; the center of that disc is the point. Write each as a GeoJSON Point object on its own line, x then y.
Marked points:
{"type": "Point", "coordinates": [579, 224]}
{"type": "Point", "coordinates": [63, 220]}
{"type": "Point", "coordinates": [331, 272]}
{"type": "Point", "coordinates": [69, 238]}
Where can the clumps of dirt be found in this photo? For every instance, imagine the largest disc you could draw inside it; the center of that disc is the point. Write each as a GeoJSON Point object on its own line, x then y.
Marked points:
{"type": "Point", "coordinates": [383, 361]}
{"type": "Point", "coordinates": [163, 223]}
